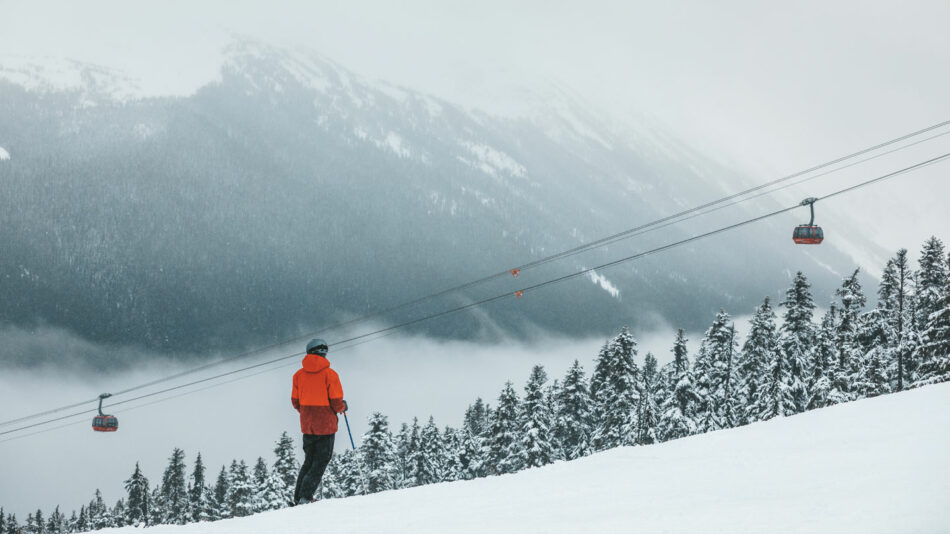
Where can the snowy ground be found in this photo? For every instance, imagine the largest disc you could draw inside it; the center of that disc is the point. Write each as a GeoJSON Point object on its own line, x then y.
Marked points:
{"type": "Point", "coordinates": [879, 465]}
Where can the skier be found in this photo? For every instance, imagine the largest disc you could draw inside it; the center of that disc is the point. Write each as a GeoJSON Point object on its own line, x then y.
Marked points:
{"type": "Point", "coordinates": [318, 396]}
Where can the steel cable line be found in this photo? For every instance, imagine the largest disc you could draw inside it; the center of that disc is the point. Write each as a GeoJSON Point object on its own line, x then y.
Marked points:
{"type": "Point", "coordinates": [348, 345]}
{"type": "Point", "coordinates": [650, 226]}
{"type": "Point", "coordinates": [577, 250]}
{"type": "Point", "coordinates": [557, 280]}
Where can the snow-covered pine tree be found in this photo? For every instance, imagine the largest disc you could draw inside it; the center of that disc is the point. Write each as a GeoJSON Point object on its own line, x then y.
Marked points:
{"type": "Point", "coordinates": [471, 461]}
{"type": "Point", "coordinates": [156, 506]}
{"type": "Point", "coordinates": [118, 513]}
{"type": "Point", "coordinates": [221, 490]}
{"type": "Point", "coordinates": [414, 457]}
{"type": "Point", "coordinates": [597, 381]}
{"type": "Point", "coordinates": [82, 522]}
{"type": "Point", "coordinates": [537, 444]}
{"type": "Point", "coordinates": [402, 456]}
{"type": "Point", "coordinates": [714, 372]}
{"type": "Point", "coordinates": [824, 361]}
{"type": "Point", "coordinates": [904, 320]}
{"type": "Point", "coordinates": [196, 489]}
{"type": "Point", "coordinates": [648, 414]}
{"type": "Point", "coordinates": [349, 482]}
{"type": "Point", "coordinates": [934, 346]}
{"type": "Point", "coordinates": [30, 526]}
{"type": "Point", "coordinates": [552, 398]}
{"type": "Point", "coordinates": [475, 417]}
{"type": "Point", "coordinates": [504, 444]}
{"type": "Point", "coordinates": [13, 526]}
{"type": "Point", "coordinates": [617, 396]}
{"type": "Point", "coordinates": [330, 484]}
{"type": "Point", "coordinates": [849, 368]}
{"type": "Point", "coordinates": [240, 496]}
{"type": "Point", "coordinates": [433, 454]}
{"type": "Point", "coordinates": [174, 493]}
{"type": "Point", "coordinates": [259, 478]}
{"type": "Point", "coordinates": [271, 494]}
{"type": "Point", "coordinates": [99, 514]}
{"type": "Point", "coordinates": [677, 413]}
{"type": "Point", "coordinates": [286, 463]}
{"type": "Point", "coordinates": [56, 524]}
{"type": "Point", "coordinates": [3, 521]}
{"type": "Point", "coordinates": [137, 498]}
{"type": "Point", "coordinates": [452, 466]}
{"type": "Point", "coordinates": [378, 453]}
{"type": "Point", "coordinates": [932, 354]}
{"type": "Point", "coordinates": [796, 337]}
{"type": "Point", "coordinates": [574, 420]}
{"type": "Point", "coordinates": [39, 523]}
{"type": "Point", "coordinates": [758, 352]}
{"type": "Point", "coordinates": [260, 472]}
{"type": "Point", "coordinates": [931, 281]}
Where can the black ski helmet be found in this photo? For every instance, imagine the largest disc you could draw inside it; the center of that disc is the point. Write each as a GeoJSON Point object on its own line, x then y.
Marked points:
{"type": "Point", "coordinates": [317, 346]}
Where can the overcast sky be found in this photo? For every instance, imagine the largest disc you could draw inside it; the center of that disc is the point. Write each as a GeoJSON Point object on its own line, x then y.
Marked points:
{"type": "Point", "coordinates": [769, 88]}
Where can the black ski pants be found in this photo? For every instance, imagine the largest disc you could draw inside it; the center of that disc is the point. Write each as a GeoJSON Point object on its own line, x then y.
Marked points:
{"type": "Point", "coordinates": [318, 450]}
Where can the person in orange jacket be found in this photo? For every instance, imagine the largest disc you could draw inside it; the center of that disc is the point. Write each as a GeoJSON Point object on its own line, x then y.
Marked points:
{"type": "Point", "coordinates": [318, 396]}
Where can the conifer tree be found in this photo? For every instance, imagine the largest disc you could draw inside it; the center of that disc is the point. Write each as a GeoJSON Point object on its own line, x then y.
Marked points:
{"type": "Point", "coordinates": [137, 497]}
{"type": "Point", "coordinates": [13, 526]}
{"type": "Point", "coordinates": [174, 493]}
{"type": "Point", "coordinates": [414, 456]}
{"type": "Point", "coordinates": [758, 351]}
{"type": "Point", "coordinates": [617, 397]}
{"type": "Point", "coordinates": [934, 346]}
{"type": "Point", "coordinates": [433, 453]}
{"type": "Point", "coordinates": [118, 513]}
{"type": "Point", "coordinates": [504, 444]}
{"type": "Point", "coordinates": [470, 450]}
{"type": "Point", "coordinates": [196, 489]}
{"type": "Point", "coordinates": [824, 358]}
{"type": "Point", "coordinates": [330, 485]}
{"type": "Point", "coordinates": [678, 409]}
{"type": "Point", "coordinates": [379, 455]}
{"type": "Point", "coordinates": [648, 413]}
{"type": "Point", "coordinates": [903, 319]}
{"type": "Point", "coordinates": [239, 498]}
{"type": "Point", "coordinates": [3, 522]}
{"type": "Point", "coordinates": [221, 491]}
{"type": "Point", "coordinates": [56, 523]}
{"type": "Point", "coordinates": [715, 380]}
{"type": "Point", "coordinates": [597, 381]}
{"type": "Point", "coordinates": [850, 358]}
{"type": "Point", "coordinates": [402, 456]}
{"type": "Point", "coordinates": [349, 480]}
{"type": "Point", "coordinates": [475, 417]}
{"type": "Point", "coordinates": [574, 421]}
{"type": "Point", "coordinates": [156, 506]}
{"type": "Point", "coordinates": [39, 523]}
{"type": "Point", "coordinates": [99, 515]}
{"type": "Point", "coordinates": [286, 462]}
{"type": "Point", "coordinates": [931, 281]}
{"type": "Point", "coordinates": [537, 447]}
{"type": "Point", "coordinates": [452, 465]}
{"type": "Point", "coordinates": [271, 495]}
{"type": "Point", "coordinates": [796, 337]}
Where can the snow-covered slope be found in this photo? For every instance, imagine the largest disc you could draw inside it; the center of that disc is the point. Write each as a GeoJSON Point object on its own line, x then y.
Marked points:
{"type": "Point", "coordinates": [878, 465]}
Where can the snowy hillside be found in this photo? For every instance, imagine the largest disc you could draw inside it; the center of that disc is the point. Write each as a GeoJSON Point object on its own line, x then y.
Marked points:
{"type": "Point", "coordinates": [877, 465]}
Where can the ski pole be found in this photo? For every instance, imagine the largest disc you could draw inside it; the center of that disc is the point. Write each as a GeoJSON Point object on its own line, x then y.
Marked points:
{"type": "Point", "coordinates": [359, 461]}
{"type": "Point", "coordinates": [345, 418]}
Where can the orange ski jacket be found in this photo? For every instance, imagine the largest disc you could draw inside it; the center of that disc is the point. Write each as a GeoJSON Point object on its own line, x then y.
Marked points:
{"type": "Point", "coordinates": [318, 396]}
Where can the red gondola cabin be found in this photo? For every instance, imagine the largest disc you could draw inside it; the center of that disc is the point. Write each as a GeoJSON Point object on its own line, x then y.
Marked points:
{"type": "Point", "coordinates": [808, 235]}
{"type": "Point", "coordinates": [105, 423]}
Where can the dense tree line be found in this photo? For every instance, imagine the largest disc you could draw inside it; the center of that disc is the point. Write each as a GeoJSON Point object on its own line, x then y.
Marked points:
{"type": "Point", "coordinates": [779, 369]}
